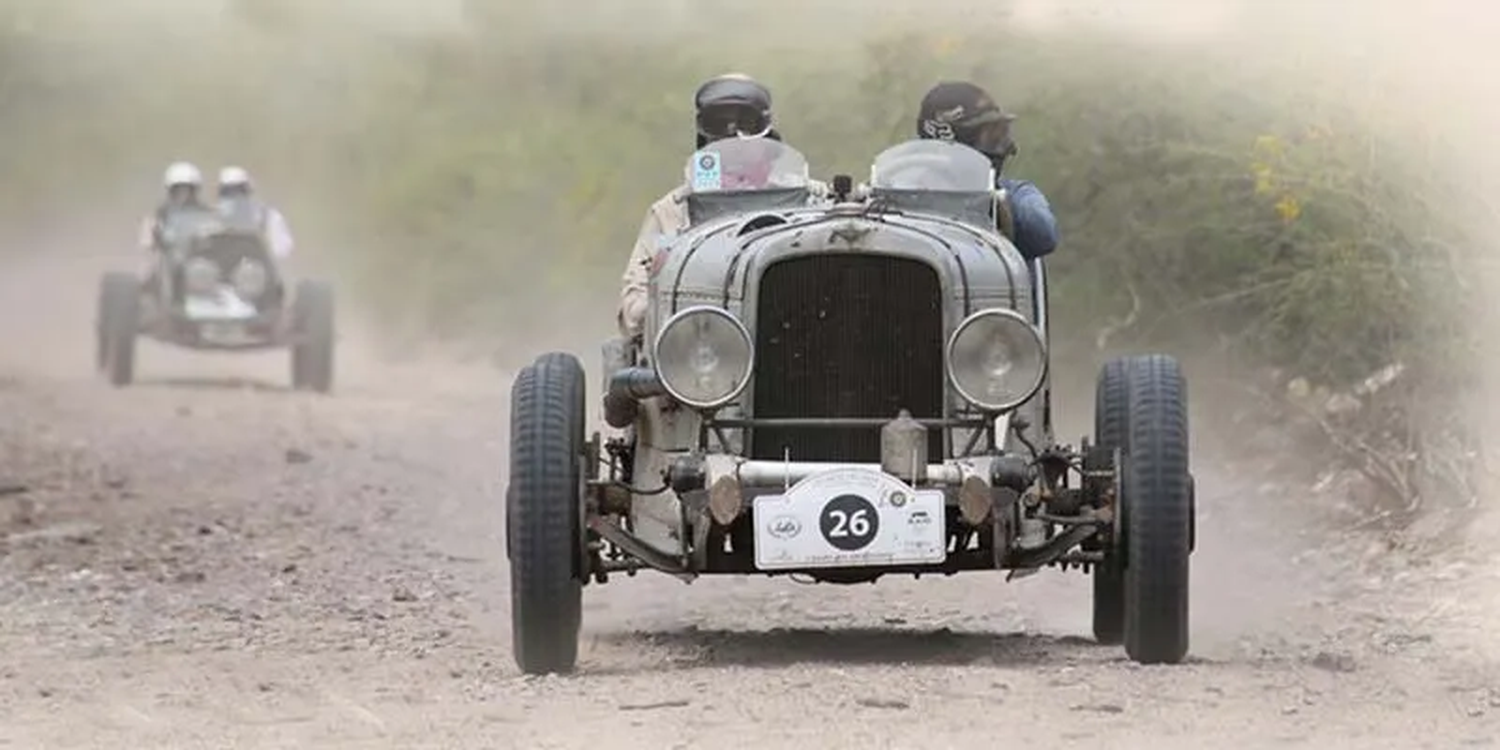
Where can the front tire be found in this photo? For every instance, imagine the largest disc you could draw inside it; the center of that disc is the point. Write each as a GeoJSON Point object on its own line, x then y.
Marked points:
{"type": "Point", "coordinates": [1158, 504]}
{"type": "Point", "coordinates": [544, 513]}
{"type": "Point", "coordinates": [117, 327]}
{"type": "Point", "coordinates": [313, 326]}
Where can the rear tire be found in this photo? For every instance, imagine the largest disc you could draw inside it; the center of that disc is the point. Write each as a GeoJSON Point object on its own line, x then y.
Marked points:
{"type": "Point", "coordinates": [544, 513]}
{"type": "Point", "coordinates": [313, 325]}
{"type": "Point", "coordinates": [1111, 420]}
{"type": "Point", "coordinates": [1158, 503]}
{"type": "Point", "coordinates": [117, 327]}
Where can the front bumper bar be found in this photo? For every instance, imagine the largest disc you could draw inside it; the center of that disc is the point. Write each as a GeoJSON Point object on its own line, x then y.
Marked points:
{"type": "Point", "coordinates": [726, 479]}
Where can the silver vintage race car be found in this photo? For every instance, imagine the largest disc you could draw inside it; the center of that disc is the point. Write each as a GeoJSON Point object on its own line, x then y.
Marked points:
{"type": "Point", "coordinates": [215, 287]}
{"type": "Point", "coordinates": [846, 382]}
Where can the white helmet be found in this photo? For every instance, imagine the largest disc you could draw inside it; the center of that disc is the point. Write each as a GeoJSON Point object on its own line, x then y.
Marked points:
{"type": "Point", "coordinates": [234, 177]}
{"type": "Point", "coordinates": [182, 173]}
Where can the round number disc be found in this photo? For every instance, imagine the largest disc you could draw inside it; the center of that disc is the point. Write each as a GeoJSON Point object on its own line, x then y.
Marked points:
{"type": "Point", "coordinates": [849, 522]}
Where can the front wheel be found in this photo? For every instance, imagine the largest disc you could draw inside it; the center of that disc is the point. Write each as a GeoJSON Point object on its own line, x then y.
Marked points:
{"type": "Point", "coordinates": [116, 328]}
{"type": "Point", "coordinates": [1158, 505]}
{"type": "Point", "coordinates": [313, 331]}
{"type": "Point", "coordinates": [544, 513]}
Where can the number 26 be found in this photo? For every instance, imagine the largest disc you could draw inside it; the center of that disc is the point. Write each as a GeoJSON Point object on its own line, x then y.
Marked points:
{"type": "Point", "coordinates": [847, 524]}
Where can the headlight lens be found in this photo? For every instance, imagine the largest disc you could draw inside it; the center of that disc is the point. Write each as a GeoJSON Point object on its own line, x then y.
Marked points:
{"type": "Point", "coordinates": [996, 359]}
{"type": "Point", "coordinates": [200, 275]}
{"type": "Point", "coordinates": [250, 279]}
{"type": "Point", "coordinates": [704, 357]}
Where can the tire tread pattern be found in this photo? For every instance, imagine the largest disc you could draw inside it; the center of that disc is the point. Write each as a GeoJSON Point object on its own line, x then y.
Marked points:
{"type": "Point", "coordinates": [547, 404]}
{"type": "Point", "coordinates": [1160, 513]}
{"type": "Point", "coordinates": [313, 319]}
{"type": "Point", "coordinates": [119, 320]}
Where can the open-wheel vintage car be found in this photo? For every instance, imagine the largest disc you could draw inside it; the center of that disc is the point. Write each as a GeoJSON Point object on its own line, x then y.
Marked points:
{"type": "Point", "coordinates": [216, 287]}
{"type": "Point", "coordinates": [846, 383]}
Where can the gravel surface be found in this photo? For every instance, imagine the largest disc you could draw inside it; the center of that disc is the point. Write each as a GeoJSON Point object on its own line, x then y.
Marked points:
{"type": "Point", "coordinates": [208, 560]}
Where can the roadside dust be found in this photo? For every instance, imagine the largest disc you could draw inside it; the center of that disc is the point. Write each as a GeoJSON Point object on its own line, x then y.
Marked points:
{"type": "Point", "coordinates": [208, 559]}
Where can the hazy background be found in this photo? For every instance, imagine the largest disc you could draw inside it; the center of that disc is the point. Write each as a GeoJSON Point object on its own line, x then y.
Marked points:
{"type": "Point", "coordinates": [1294, 196]}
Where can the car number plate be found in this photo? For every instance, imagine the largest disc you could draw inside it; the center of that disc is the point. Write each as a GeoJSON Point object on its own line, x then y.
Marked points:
{"type": "Point", "coordinates": [201, 308]}
{"type": "Point", "coordinates": [221, 332]}
{"type": "Point", "coordinates": [849, 518]}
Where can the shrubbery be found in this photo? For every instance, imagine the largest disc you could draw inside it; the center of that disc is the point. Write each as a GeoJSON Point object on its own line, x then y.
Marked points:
{"type": "Point", "coordinates": [478, 182]}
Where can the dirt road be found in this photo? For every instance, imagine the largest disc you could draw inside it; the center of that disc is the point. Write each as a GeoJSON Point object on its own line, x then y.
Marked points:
{"type": "Point", "coordinates": [207, 560]}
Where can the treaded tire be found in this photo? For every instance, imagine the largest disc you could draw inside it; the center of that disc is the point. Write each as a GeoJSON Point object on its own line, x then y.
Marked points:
{"type": "Point", "coordinates": [1158, 503]}
{"type": "Point", "coordinates": [543, 514]}
{"type": "Point", "coordinates": [313, 324]}
{"type": "Point", "coordinates": [117, 326]}
{"type": "Point", "coordinates": [1111, 420]}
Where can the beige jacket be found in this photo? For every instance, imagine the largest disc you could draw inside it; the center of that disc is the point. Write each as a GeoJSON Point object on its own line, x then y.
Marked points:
{"type": "Point", "coordinates": [666, 217]}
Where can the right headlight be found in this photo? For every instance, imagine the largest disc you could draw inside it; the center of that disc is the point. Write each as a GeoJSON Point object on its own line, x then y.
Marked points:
{"type": "Point", "coordinates": [704, 356]}
{"type": "Point", "coordinates": [250, 279]}
{"type": "Point", "coordinates": [996, 359]}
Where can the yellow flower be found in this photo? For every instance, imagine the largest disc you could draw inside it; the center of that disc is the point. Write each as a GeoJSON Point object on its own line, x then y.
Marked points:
{"type": "Point", "coordinates": [1288, 208]}
{"type": "Point", "coordinates": [1265, 184]}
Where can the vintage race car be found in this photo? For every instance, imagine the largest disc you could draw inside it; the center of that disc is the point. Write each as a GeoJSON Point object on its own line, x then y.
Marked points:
{"type": "Point", "coordinates": [215, 287]}
{"type": "Point", "coordinates": [845, 383]}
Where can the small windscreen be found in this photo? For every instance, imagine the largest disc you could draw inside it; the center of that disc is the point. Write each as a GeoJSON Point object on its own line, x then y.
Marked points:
{"type": "Point", "coordinates": [737, 165]}
{"type": "Point", "coordinates": [932, 165]}
{"type": "Point", "coordinates": [742, 175]}
{"type": "Point", "coordinates": [936, 177]}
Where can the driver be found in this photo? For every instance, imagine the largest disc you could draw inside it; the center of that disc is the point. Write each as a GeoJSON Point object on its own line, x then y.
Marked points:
{"type": "Point", "coordinates": [727, 106]}
{"type": "Point", "coordinates": [961, 111]}
{"type": "Point", "coordinates": [238, 203]}
{"type": "Point", "coordinates": [183, 182]}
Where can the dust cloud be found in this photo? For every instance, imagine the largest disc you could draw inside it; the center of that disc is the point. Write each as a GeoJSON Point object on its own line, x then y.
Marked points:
{"type": "Point", "coordinates": [1427, 70]}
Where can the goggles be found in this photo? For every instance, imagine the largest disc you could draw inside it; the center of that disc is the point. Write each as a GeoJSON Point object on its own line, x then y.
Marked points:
{"type": "Point", "coordinates": [729, 120]}
{"type": "Point", "coordinates": [992, 134]}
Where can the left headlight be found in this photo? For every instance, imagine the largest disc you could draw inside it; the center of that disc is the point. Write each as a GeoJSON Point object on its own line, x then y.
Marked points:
{"type": "Point", "coordinates": [200, 275]}
{"type": "Point", "coordinates": [996, 359]}
{"type": "Point", "coordinates": [704, 357]}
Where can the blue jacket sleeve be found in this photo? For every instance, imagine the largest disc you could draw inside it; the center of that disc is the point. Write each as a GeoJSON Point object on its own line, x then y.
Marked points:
{"type": "Point", "coordinates": [1036, 227]}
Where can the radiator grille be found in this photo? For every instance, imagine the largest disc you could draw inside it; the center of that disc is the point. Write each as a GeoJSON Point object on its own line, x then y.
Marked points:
{"type": "Point", "coordinates": [846, 336]}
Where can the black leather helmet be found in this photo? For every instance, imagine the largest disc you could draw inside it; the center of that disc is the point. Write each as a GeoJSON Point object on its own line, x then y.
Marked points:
{"type": "Point", "coordinates": [732, 105]}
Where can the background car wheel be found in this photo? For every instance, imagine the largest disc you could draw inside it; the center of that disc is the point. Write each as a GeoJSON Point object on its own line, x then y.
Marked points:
{"type": "Point", "coordinates": [544, 513]}
{"type": "Point", "coordinates": [1158, 498]}
{"type": "Point", "coordinates": [312, 320]}
{"type": "Point", "coordinates": [116, 328]}
{"type": "Point", "coordinates": [1111, 412]}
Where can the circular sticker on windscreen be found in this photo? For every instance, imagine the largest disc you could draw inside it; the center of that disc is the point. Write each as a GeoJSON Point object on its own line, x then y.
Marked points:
{"type": "Point", "coordinates": [849, 522]}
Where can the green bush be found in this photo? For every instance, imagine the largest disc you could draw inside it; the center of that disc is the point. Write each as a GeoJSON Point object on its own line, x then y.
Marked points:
{"type": "Point", "coordinates": [1218, 210]}
{"type": "Point", "coordinates": [470, 183]}
{"type": "Point", "coordinates": [482, 183]}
